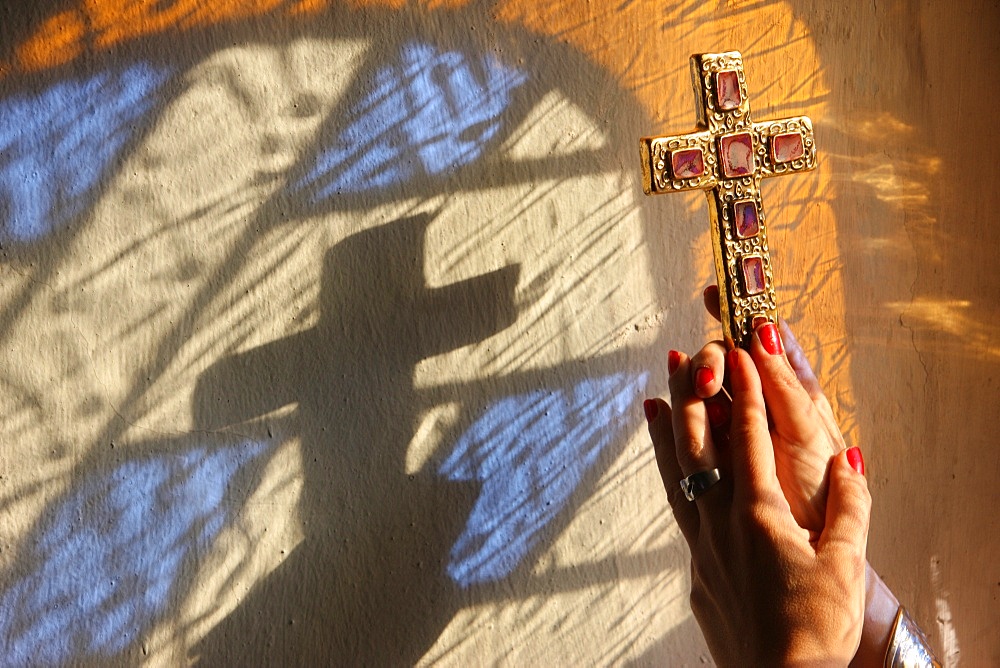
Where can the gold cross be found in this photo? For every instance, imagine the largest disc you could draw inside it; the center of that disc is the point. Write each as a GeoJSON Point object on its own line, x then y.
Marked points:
{"type": "Point", "coordinates": [727, 159]}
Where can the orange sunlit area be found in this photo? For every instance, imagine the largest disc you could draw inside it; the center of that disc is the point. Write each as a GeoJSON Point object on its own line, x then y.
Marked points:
{"type": "Point", "coordinates": [624, 40]}
{"type": "Point", "coordinates": [99, 25]}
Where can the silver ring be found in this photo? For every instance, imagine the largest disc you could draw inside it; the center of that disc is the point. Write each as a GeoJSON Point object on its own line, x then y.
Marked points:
{"type": "Point", "coordinates": [698, 483]}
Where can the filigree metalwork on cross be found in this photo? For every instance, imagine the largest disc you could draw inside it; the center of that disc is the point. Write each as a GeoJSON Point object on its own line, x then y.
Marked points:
{"type": "Point", "coordinates": [727, 158]}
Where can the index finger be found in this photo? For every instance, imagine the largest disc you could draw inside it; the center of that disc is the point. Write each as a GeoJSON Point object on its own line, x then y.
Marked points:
{"type": "Point", "coordinates": [751, 449]}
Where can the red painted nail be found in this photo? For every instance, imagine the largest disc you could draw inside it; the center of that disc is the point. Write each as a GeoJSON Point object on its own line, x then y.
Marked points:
{"type": "Point", "coordinates": [770, 338]}
{"type": "Point", "coordinates": [703, 376]}
{"type": "Point", "coordinates": [650, 408]}
{"type": "Point", "coordinates": [733, 358]}
{"type": "Point", "coordinates": [855, 459]}
{"type": "Point", "coordinates": [717, 414]}
{"type": "Point", "coordinates": [673, 361]}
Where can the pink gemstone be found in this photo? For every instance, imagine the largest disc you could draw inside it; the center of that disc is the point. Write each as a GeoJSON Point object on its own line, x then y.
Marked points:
{"type": "Point", "coordinates": [687, 164]}
{"type": "Point", "coordinates": [753, 274]}
{"type": "Point", "coordinates": [737, 154]}
{"type": "Point", "coordinates": [727, 90]}
{"type": "Point", "coordinates": [787, 147]}
{"type": "Point", "coordinates": [745, 217]}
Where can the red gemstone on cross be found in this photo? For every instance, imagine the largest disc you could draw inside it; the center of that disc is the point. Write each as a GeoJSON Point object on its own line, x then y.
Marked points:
{"type": "Point", "coordinates": [753, 274]}
{"type": "Point", "coordinates": [687, 163]}
{"type": "Point", "coordinates": [745, 217]}
{"type": "Point", "coordinates": [787, 147]}
{"type": "Point", "coordinates": [737, 154]}
{"type": "Point", "coordinates": [727, 90]}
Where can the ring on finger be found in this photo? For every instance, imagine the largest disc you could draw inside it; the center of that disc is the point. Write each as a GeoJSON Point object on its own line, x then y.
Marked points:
{"type": "Point", "coordinates": [698, 483]}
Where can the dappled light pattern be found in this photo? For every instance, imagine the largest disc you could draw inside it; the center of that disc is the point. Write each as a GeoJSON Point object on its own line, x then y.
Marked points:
{"type": "Point", "coordinates": [105, 563]}
{"type": "Point", "coordinates": [531, 452]}
{"type": "Point", "coordinates": [87, 26]}
{"type": "Point", "coordinates": [430, 112]}
{"type": "Point", "coordinates": [59, 144]}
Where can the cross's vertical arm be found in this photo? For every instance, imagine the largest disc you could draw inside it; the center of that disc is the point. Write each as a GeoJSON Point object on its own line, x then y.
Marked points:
{"type": "Point", "coordinates": [727, 158]}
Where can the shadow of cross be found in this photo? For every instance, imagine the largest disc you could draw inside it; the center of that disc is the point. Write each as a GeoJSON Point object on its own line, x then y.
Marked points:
{"type": "Point", "coordinates": [367, 585]}
{"type": "Point", "coordinates": [728, 159]}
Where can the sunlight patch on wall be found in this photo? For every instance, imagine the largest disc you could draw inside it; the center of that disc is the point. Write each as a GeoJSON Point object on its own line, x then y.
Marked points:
{"type": "Point", "coordinates": [59, 144]}
{"type": "Point", "coordinates": [105, 563]}
{"type": "Point", "coordinates": [946, 629]}
{"type": "Point", "coordinates": [572, 219]}
{"type": "Point", "coordinates": [262, 535]}
{"type": "Point", "coordinates": [957, 318]}
{"type": "Point", "coordinates": [429, 434]}
{"type": "Point", "coordinates": [430, 112]}
{"type": "Point", "coordinates": [531, 452]}
{"type": "Point", "coordinates": [568, 130]}
{"type": "Point", "coordinates": [892, 187]}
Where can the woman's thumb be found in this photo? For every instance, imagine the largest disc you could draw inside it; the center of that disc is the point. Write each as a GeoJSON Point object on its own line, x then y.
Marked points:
{"type": "Point", "coordinates": [848, 508]}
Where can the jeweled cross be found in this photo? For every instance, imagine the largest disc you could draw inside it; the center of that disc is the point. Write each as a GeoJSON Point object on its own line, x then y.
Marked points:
{"type": "Point", "coordinates": [727, 159]}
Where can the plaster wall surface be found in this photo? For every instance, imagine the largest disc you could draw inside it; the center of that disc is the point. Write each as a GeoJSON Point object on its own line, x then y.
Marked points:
{"type": "Point", "coordinates": [325, 326]}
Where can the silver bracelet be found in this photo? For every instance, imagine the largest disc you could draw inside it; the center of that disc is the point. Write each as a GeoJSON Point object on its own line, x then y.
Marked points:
{"type": "Point", "coordinates": [908, 646]}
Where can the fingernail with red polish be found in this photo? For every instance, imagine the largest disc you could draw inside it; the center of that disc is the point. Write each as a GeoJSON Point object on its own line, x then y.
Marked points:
{"type": "Point", "coordinates": [673, 361]}
{"type": "Point", "coordinates": [650, 408]}
{"type": "Point", "coordinates": [770, 338]}
{"type": "Point", "coordinates": [717, 414]}
{"type": "Point", "coordinates": [855, 459]}
{"type": "Point", "coordinates": [703, 376]}
{"type": "Point", "coordinates": [733, 358]}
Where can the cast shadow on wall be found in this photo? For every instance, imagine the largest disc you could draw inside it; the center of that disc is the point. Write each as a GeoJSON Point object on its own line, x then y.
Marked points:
{"type": "Point", "coordinates": [368, 584]}
{"type": "Point", "coordinates": [389, 556]}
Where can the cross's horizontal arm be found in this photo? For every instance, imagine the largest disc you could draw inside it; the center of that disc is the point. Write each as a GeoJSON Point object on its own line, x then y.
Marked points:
{"type": "Point", "coordinates": [672, 164]}
{"type": "Point", "coordinates": [779, 138]}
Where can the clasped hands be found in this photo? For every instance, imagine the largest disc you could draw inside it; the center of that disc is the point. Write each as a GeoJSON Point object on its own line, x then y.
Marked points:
{"type": "Point", "coordinates": [778, 545]}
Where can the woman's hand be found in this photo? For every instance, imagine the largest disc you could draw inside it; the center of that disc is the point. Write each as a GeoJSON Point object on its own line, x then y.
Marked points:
{"type": "Point", "coordinates": [762, 591]}
{"type": "Point", "coordinates": [803, 429]}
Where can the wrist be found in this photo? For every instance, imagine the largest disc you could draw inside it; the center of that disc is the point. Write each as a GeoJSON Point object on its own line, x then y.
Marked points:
{"type": "Point", "coordinates": [881, 607]}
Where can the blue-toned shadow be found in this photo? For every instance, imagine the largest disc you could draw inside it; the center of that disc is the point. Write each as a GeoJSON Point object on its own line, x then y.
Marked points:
{"type": "Point", "coordinates": [59, 144]}
{"type": "Point", "coordinates": [430, 112]}
{"type": "Point", "coordinates": [105, 562]}
{"type": "Point", "coordinates": [531, 452]}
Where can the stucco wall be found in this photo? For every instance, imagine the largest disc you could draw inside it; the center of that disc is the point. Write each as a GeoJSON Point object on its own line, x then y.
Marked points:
{"type": "Point", "coordinates": [325, 326]}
